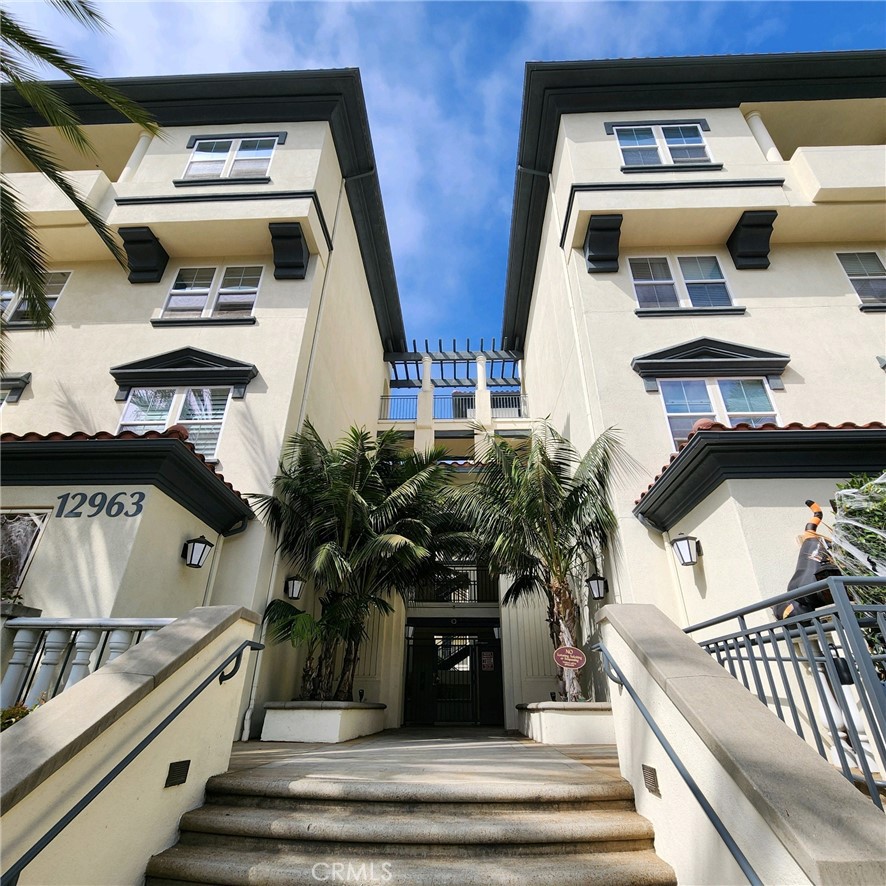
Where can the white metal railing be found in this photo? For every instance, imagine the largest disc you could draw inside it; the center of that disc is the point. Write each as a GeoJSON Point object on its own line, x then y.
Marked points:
{"type": "Point", "coordinates": [50, 655]}
{"type": "Point", "coordinates": [509, 405]}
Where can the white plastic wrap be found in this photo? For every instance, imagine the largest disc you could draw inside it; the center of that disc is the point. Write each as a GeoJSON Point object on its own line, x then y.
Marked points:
{"type": "Point", "coordinates": [859, 531]}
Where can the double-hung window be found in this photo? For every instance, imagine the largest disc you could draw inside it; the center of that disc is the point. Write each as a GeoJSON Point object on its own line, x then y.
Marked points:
{"type": "Point", "coordinates": [731, 401]}
{"type": "Point", "coordinates": [215, 293]}
{"type": "Point", "coordinates": [866, 274]}
{"type": "Point", "coordinates": [662, 145]}
{"type": "Point", "coordinates": [14, 308]}
{"type": "Point", "coordinates": [200, 410]}
{"type": "Point", "coordinates": [701, 284]}
{"type": "Point", "coordinates": [230, 158]}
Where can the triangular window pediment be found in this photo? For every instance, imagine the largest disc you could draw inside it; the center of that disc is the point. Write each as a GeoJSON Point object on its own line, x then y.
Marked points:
{"type": "Point", "coordinates": [705, 357]}
{"type": "Point", "coordinates": [185, 366]}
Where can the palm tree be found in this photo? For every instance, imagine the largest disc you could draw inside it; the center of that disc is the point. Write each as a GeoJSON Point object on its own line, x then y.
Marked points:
{"type": "Point", "coordinates": [544, 516]}
{"type": "Point", "coordinates": [360, 520]}
{"type": "Point", "coordinates": [21, 256]}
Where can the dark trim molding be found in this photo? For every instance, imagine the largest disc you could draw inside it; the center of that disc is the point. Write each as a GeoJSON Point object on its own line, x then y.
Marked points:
{"type": "Point", "coordinates": [676, 167]}
{"type": "Point", "coordinates": [204, 321]}
{"type": "Point", "coordinates": [280, 136]}
{"type": "Point", "coordinates": [662, 186]}
{"type": "Point", "coordinates": [235, 198]}
{"type": "Point", "coordinates": [14, 384]}
{"type": "Point", "coordinates": [291, 253]}
{"type": "Point", "coordinates": [706, 356]}
{"type": "Point", "coordinates": [185, 366]}
{"type": "Point", "coordinates": [710, 457]}
{"type": "Point", "coordinates": [145, 255]}
{"type": "Point", "coordinates": [205, 182]}
{"type": "Point", "coordinates": [872, 309]}
{"type": "Point", "coordinates": [688, 312]}
{"type": "Point", "coordinates": [169, 465]}
{"type": "Point", "coordinates": [699, 121]}
{"type": "Point", "coordinates": [647, 86]}
{"type": "Point", "coordinates": [280, 97]}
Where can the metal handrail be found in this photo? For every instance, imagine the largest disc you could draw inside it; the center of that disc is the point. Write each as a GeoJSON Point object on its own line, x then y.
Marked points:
{"type": "Point", "coordinates": [10, 877]}
{"type": "Point", "coordinates": [615, 673]}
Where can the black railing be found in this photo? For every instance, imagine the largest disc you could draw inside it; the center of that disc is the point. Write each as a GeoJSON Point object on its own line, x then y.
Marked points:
{"type": "Point", "coordinates": [399, 408]}
{"type": "Point", "coordinates": [11, 875]}
{"type": "Point", "coordinates": [821, 672]}
{"type": "Point", "coordinates": [468, 584]}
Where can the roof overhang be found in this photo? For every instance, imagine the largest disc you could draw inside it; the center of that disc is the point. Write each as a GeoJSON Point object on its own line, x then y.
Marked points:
{"type": "Point", "coordinates": [333, 96]}
{"type": "Point", "coordinates": [712, 456]}
{"type": "Point", "coordinates": [552, 89]}
{"type": "Point", "coordinates": [170, 465]}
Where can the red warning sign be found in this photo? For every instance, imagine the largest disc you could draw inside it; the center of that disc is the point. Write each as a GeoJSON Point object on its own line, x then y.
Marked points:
{"type": "Point", "coordinates": [570, 657]}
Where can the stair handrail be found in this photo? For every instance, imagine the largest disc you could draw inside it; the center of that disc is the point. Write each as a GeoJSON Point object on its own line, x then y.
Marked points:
{"type": "Point", "coordinates": [10, 877]}
{"type": "Point", "coordinates": [615, 673]}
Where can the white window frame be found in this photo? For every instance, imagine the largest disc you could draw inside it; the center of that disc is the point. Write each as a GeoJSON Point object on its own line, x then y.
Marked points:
{"type": "Point", "coordinates": [175, 409]}
{"type": "Point", "coordinates": [212, 294]}
{"type": "Point", "coordinates": [863, 299]}
{"type": "Point", "coordinates": [236, 142]}
{"type": "Point", "coordinates": [715, 398]}
{"type": "Point", "coordinates": [17, 300]}
{"type": "Point", "coordinates": [41, 517]}
{"type": "Point", "coordinates": [681, 287]}
{"type": "Point", "coordinates": [665, 158]}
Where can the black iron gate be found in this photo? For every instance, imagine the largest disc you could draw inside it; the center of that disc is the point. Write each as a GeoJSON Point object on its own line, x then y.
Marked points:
{"type": "Point", "coordinates": [453, 675]}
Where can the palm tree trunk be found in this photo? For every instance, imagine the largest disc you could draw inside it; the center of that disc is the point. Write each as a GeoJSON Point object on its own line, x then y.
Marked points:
{"type": "Point", "coordinates": [564, 608]}
{"type": "Point", "coordinates": [345, 689]}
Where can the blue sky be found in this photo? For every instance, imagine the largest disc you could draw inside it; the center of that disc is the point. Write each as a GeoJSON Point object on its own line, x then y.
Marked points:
{"type": "Point", "coordinates": [443, 84]}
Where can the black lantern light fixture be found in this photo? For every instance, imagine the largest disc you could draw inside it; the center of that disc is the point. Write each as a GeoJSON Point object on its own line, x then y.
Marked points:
{"type": "Point", "coordinates": [687, 548]}
{"type": "Point", "coordinates": [597, 586]}
{"type": "Point", "coordinates": [196, 550]}
{"type": "Point", "coordinates": [292, 587]}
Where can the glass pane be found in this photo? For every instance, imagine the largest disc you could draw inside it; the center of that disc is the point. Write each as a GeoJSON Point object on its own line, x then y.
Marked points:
{"type": "Point", "coordinates": [685, 396]}
{"type": "Point", "coordinates": [871, 290]}
{"type": "Point", "coordinates": [205, 170]}
{"type": "Point", "coordinates": [55, 282]}
{"type": "Point", "coordinates": [185, 305]}
{"type": "Point", "coordinates": [702, 267]}
{"type": "Point", "coordinates": [861, 264]}
{"type": "Point", "coordinates": [21, 314]}
{"type": "Point", "coordinates": [193, 278]}
{"type": "Point", "coordinates": [204, 404]}
{"type": "Point", "coordinates": [681, 426]}
{"type": "Point", "coordinates": [253, 157]}
{"type": "Point", "coordinates": [211, 150]}
{"type": "Point", "coordinates": [235, 304]}
{"type": "Point", "coordinates": [641, 157]}
{"type": "Point", "coordinates": [682, 135]}
{"type": "Point", "coordinates": [635, 137]}
{"type": "Point", "coordinates": [241, 278]}
{"type": "Point", "coordinates": [249, 168]}
{"type": "Point", "coordinates": [18, 532]}
{"type": "Point", "coordinates": [643, 269]}
{"type": "Point", "coordinates": [755, 421]}
{"type": "Point", "coordinates": [708, 295]}
{"type": "Point", "coordinates": [745, 395]}
{"type": "Point", "coordinates": [148, 405]}
{"type": "Point", "coordinates": [689, 154]}
{"type": "Point", "coordinates": [204, 437]}
{"type": "Point", "coordinates": [656, 295]}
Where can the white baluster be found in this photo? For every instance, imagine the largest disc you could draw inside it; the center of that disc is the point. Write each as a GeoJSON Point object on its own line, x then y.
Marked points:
{"type": "Point", "coordinates": [119, 642]}
{"type": "Point", "coordinates": [84, 645]}
{"type": "Point", "coordinates": [56, 643]}
{"type": "Point", "coordinates": [23, 645]}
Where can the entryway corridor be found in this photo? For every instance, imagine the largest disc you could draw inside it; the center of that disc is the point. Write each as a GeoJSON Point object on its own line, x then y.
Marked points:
{"type": "Point", "coordinates": [416, 807]}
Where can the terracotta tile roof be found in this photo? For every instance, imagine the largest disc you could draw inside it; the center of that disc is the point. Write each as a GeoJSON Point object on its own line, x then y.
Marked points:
{"type": "Point", "coordinates": [176, 432]}
{"type": "Point", "coordinates": [706, 424]}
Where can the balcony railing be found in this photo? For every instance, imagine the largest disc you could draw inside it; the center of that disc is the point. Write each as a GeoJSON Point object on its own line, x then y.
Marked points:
{"type": "Point", "coordinates": [456, 406]}
{"type": "Point", "coordinates": [509, 405]}
{"type": "Point", "coordinates": [469, 584]}
{"type": "Point", "coordinates": [399, 408]}
{"type": "Point", "coordinates": [820, 672]}
{"type": "Point", "coordinates": [50, 655]}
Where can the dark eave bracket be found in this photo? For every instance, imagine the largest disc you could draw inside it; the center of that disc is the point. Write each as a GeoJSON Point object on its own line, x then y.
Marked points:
{"type": "Point", "coordinates": [601, 243]}
{"type": "Point", "coordinates": [145, 255]}
{"type": "Point", "coordinates": [748, 244]}
{"type": "Point", "coordinates": [290, 251]}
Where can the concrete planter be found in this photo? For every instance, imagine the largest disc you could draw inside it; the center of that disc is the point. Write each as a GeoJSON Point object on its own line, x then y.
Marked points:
{"type": "Point", "coordinates": [323, 721]}
{"type": "Point", "coordinates": [567, 722]}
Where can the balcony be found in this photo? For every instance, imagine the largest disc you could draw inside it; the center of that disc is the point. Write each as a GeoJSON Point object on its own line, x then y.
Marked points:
{"type": "Point", "coordinates": [402, 407]}
{"type": "Point", "coordinates": [855, 173]}
{"type": "Point", "coordinates": [470, 584]}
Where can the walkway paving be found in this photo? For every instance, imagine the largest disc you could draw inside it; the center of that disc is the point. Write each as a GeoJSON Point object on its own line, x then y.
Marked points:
{"type": "Point", "coordinates": [429, 756]}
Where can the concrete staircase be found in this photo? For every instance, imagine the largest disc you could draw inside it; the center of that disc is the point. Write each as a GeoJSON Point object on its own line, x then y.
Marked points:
{"type": "Point", "coordinates": [257, 828]}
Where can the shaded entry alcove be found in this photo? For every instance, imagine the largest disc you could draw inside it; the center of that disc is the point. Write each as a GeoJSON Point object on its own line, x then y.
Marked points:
{"type": "Point", "coordinates": [453, 672]}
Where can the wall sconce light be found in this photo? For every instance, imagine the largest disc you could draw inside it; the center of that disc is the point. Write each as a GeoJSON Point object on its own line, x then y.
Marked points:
{"type": "Point", "coordinates": [496, 631]}
{"type": "Point", "coordinates": [195, 551]}
{"type": "Point", "coordinates": [597, 586]}
{"type": "Point", "coordinates": [292, 587]}
{"type": "Point", "coordinates": [687, 548]}
{"type": "Point", "coordinates": [410, 631]}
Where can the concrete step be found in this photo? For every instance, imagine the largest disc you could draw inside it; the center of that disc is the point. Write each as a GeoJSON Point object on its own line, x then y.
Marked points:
{"type": "Point", "coordinates": [194, 864]}
{"type": "Point", "coordinates": [364, 824]}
